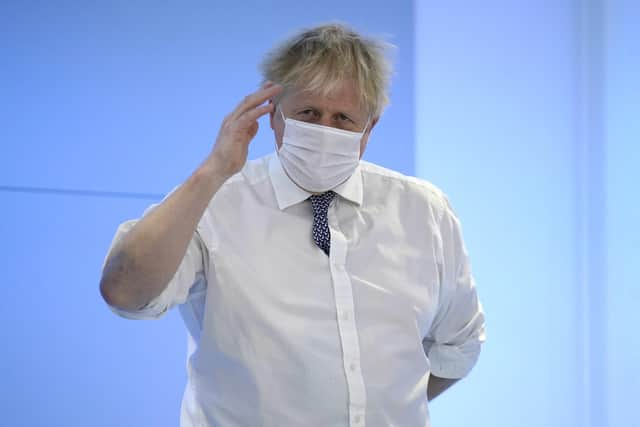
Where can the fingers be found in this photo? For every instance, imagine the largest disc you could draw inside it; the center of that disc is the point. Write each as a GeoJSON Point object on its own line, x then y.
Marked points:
{"type": "Point", "coordinates": [269, 90]}
{"type": "Point", "coordinates": [253, 115]}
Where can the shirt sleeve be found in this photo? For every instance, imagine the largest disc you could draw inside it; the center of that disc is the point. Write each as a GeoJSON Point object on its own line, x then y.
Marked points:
{"type": "Point", "coordinates": [192, 269]}
{"type": "Point", "coordinates": [458, 329]}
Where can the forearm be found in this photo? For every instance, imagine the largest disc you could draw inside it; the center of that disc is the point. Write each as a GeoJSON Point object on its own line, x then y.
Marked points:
{"type": "Point", "coordinates": [437, 385]}
{"type": "Point", "coordinates": [142, 263]}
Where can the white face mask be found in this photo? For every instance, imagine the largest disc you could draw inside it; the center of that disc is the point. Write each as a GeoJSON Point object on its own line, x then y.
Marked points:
{"type": "Point", "coordinates": [316, 157]}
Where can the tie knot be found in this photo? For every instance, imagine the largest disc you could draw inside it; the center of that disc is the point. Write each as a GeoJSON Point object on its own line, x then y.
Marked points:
{"type": "Point", "coordinates": [321, 202]}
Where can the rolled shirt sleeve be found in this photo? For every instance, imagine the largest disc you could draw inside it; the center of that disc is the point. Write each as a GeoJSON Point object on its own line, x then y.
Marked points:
{"type": "Point", "coordinates": [458, 329]}
{"type": "Point", "coordinates": [192, 269]}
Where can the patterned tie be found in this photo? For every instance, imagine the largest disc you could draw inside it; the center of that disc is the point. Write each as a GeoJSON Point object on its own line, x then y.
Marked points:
{"type": "Point", "coordinates": [321, 234]}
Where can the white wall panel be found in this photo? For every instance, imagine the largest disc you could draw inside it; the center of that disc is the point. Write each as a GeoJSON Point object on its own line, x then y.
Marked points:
{"type": "Point", "coordinates": [495, 111]}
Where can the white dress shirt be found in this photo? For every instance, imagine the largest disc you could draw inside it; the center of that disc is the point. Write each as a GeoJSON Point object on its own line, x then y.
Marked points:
{"type": "Point", "coordinates": [282, 335]}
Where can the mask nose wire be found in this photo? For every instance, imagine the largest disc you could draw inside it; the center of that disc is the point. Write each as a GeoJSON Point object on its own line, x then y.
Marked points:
{"type": "Point", "coordinates": [279, 107]}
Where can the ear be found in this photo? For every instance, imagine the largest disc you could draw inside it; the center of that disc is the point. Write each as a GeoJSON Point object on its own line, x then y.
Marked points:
{"type": "Point", "coordinates": [272, 113]}
{"type": "Point", "coordinates": [373, 123]}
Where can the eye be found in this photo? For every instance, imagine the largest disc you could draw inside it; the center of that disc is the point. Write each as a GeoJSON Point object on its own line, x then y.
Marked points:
{"type": "Point", "coordinates": [306, 113]}
{"type": "Point", "coordinates": [344, 118]}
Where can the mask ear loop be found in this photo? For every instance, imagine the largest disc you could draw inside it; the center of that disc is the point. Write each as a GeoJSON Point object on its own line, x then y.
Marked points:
{"type": "Point", "coordinates": [365, 126]}
{"type": "Point", "coordinates": [284, 120]}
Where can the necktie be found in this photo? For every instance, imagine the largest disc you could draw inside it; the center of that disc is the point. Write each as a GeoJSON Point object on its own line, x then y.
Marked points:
{"type": "Point", "coordinates": [321, 234]}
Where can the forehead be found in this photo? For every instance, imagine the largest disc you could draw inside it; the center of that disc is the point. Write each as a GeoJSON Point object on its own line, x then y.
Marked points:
{"type": "Point", "coordinates": [344, 97]}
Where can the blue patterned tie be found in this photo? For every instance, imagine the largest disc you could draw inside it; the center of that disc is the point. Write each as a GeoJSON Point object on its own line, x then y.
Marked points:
{"type": "Point", "coordinates": [321, 234]}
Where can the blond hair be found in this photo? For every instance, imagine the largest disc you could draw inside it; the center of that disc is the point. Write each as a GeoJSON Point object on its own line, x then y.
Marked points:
{"type": "Point", "coordinates": [318, 59]}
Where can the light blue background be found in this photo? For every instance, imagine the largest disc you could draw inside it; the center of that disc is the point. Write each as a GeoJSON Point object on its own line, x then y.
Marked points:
{"type": "Point", "coordinates": [524, 113]}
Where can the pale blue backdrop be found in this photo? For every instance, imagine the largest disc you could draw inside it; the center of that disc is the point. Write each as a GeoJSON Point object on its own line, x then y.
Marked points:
{"type": "Point", "coordinates": [525, 113]}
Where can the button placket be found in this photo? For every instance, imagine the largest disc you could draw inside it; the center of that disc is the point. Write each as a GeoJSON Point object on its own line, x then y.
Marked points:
{"type": "Point", "coordinates": [343, 294]}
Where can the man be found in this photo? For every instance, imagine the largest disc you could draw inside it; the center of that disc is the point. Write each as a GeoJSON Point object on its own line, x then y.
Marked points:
{"type": "Point", "coordinates": [317, 289]}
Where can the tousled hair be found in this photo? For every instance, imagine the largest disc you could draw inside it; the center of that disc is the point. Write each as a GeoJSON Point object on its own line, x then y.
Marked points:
{"type": "Point", "coordinates": [319, 59]}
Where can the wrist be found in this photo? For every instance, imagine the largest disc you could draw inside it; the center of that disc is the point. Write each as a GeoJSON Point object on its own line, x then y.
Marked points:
{"type": "Point", "coordinates": [214, 168]}
{"type": "Point", "coordinates": [212, 171]}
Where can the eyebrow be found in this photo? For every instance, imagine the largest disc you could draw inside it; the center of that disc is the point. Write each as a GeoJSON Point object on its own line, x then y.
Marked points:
{"type": "Point", "coordinates": [306, 105]}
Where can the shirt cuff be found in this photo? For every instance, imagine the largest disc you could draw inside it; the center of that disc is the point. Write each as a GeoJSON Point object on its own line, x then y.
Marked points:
{"type": "Point", "coordinates": [154, 310]}
{"type": "Point", "coordinates": [449, 362]}
{"type": "Point", "coordinates": [454, 361]}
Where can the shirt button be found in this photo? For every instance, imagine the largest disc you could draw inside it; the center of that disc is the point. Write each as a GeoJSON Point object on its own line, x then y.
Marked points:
{"type": "Point", "coordinates": [353, 367]}
{"type": "Point", "coordinates": [345, 315]}
{"type": "Point", "coordinates": [356, 419]}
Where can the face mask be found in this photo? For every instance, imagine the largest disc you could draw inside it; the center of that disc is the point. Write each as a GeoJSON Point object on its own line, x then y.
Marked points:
{"type": "Point", "coordinates": [318, 158]}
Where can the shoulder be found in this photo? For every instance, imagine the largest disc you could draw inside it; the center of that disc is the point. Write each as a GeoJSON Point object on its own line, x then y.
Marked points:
{"type": "Point", "coordinates": [405, 188]}
{"type": "Point", "coordinates": [249, 188]}
{"type": "Point", "coordinates": [253, 172]}
{"type": "Point", "coordinates": [241, 192]}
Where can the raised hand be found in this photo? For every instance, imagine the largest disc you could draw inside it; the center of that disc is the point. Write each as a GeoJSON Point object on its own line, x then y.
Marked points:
{"type": "Point", "coordinates": [238, 129]}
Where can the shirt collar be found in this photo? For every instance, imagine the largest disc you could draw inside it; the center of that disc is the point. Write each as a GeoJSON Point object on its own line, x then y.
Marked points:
{"type": "Point", "coordinates": [289, 194]}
